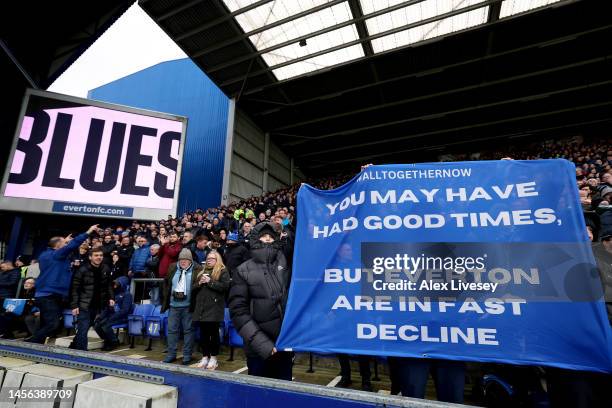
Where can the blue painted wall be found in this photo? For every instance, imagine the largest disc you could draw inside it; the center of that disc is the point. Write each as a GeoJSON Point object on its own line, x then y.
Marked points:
{"type": "Point", "coordinates": [181, 88]}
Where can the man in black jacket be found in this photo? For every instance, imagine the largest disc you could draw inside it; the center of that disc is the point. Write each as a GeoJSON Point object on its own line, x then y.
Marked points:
{"type": "Point", "coordinates": [235, 254]}
{"type": "Point", "coordinates": [125, 251]}
{"type": "Point", "coordinates": [257, 304]}
{"type": "Point", "coordinates": [90, 295]}
{"type": "Point", "coordinates": [108, 246]}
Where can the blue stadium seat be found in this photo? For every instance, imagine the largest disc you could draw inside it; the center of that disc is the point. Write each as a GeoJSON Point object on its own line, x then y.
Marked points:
{"type": "Point", "coordinates": [137, 321]}
{"type": "Point", "coordinates": [68, 320]}
{"type": "Point", "coordinates": [116, 327]}
{"type": "Point", "coordinates": [234, 340]}
{"type": "Point", "coordinates": [227, 321]}
{"type": "Point", "coordinates": [155, 325]}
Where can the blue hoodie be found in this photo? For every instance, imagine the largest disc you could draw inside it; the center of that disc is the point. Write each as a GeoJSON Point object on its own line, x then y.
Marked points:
{"type": "Point", "coordinates": [55, 275]}
{"type": "Point", "coordinates": [139, 258]}
{"type": "Point", "coordinates": [124, 303]}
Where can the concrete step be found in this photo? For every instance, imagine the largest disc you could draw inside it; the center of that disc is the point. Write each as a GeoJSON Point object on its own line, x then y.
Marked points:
{"type": "Point", "coordinates": [92, 343]}
{"type": "Point", "coordinates": [7, 363]}
{"type": "Point", "coordinates": [10, 362]}
{"type": "Point", "coordinates": [11, 382]}
{"type": "Point", "coordinates": [49, 377]}
{"type": "Point", "coordinates": [123, 393]}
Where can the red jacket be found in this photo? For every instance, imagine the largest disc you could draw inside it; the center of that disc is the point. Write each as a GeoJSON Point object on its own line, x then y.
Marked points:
{"type": "Point", "coordinates": [168, 253]}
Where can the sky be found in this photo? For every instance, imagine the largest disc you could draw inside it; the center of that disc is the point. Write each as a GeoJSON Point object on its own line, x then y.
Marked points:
{"type": "Point", "coordinates": [132, 43]}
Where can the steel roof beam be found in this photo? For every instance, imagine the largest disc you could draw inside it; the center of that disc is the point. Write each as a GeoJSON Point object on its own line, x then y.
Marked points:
{"type": "Point", "coordinates": [360, 40]}
{"type": "Point", "coordinates": [261, 29]}
{"type": "Point", "coordinates": [558, 40]}
{"type": "Point", "coordinates": [295, 40]}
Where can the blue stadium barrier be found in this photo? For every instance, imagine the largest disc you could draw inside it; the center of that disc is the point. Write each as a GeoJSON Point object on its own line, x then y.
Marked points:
{"type": "Point", "coordinates": [199, 388]}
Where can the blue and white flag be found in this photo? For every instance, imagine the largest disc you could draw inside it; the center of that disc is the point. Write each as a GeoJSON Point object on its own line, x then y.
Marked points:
{"type": "Point", "coordinates": [476, 261]}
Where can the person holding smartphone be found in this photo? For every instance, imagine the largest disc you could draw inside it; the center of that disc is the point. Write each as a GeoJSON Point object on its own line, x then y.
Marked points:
{"type": "Point", "coordinates": [209, 292]}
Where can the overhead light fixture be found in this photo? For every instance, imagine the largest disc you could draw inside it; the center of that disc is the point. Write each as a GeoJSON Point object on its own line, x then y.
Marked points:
{"type": "Point", "coordinates": [302, 42]}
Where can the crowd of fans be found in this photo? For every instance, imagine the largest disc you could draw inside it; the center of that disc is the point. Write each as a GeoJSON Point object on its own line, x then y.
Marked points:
{"type": "Point", "coordinates": [203, 253]}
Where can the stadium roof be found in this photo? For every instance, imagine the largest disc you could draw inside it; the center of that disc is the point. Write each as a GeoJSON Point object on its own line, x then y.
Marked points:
{"type": "Point", "coordinates": [340, 82]}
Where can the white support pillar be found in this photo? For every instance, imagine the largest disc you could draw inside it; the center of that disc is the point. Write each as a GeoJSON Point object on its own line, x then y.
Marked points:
{"type": "Point", "coordinates": [229, 152]}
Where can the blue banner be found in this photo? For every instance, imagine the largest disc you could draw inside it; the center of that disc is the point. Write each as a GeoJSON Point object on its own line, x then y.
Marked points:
{"type": "Point", "coordinates": [478, 261]}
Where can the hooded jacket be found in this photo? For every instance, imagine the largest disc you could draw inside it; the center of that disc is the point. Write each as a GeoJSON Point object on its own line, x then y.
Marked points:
{"type": "Point", "coordinates": [235, 255]}
{"type": "Point", "coordinates": [124, 302]}
{"type": "Point", "coordinates": [258, 295]}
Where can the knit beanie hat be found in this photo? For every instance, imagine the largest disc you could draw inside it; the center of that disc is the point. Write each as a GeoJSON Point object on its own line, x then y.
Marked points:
{"type": "Point", "coordinates": [185, 254]}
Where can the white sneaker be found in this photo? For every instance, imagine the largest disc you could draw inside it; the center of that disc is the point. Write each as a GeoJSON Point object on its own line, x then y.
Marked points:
{"type": "Point", "coordinates": [203, 363]}
{"type": "Point", "coordinates": [212, 363]}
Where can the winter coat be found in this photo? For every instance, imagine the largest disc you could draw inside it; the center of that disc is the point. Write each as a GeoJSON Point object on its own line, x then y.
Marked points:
{"type": "Point", "coordinates": [139, 258]}
{"type": "Point", "coordinates": [55, 273]}
{"type": "Point", "coordinates": [168, 254]}
{"type": "Point", "coordinates": [125, 254]}
{"type": "Point", "coordinates": [235, 255]}
{"type": "Point", "coordinates": [84, 287]}
{"type": "Point", "coordinates": [604, 265]}
{"type": "Point", "coordinates": [152, 266]}
{"type": "Point", "coordinates": [9, 281]}
{"type": "Point", "coordinates": [228, 224]}
{"type": "Point", "coordinates": [167, 289]}
{"type": "Point", "coordinates": [258, 296]}
{"type": "Point", "coordinates": [210, 298]}
{"type": "Point", "coordinates": [117, 270]}
{"type": "Point", "coordinates": [107, 250]}
{"type": "Point", "coordinates": [124, 303]}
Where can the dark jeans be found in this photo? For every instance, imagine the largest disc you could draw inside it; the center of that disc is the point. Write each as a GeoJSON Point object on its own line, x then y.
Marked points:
{"type": "Point", "coordinates": [104, 328]}
{"type": "Point", "coordinates": [6, 321]}
{"type": "Point", "coordinates": [364, 367]}
{"type": "Point", "coordinates": [409, 375]}
{"type": "Point", "coordinates": [279, 366]}
{"type": "Point", "coordinates": [180, 316]}
{"type": "Point", "coordinates": [84, 321]}
{"type": "Point", "coordinates": [50, 317]}
{"type": "Point", "coordinates": [32, 323]}
{"type": "Point", "coordinates": [209, 338]}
